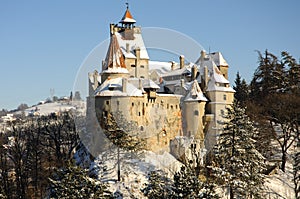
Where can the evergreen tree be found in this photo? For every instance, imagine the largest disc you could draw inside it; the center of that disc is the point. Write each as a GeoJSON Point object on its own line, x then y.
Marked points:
{"type": "Point", "coordinates": [240, 164]}
{"type": "Point", "coordinates": [241, 90]}
{"type": "Point", "coordinates": [187, 184]}
{"type": "Point", "coordinates": [73, 182]}
{"type": "Point", "coordinates": [275, 100]}
{"type": "Point", "coordinates": [158, 186]}
{"type": "Point", "coordinates": [293, 73]}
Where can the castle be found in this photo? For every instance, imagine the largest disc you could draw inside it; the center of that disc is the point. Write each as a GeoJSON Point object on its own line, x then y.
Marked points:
{"type": "Point", "coordinates": [174, 105]}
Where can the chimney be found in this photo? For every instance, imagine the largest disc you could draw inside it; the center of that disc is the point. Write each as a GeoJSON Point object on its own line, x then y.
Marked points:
{"type": "Point", "coordinates": [203, 55]}
{"type": "Point", "coordinates": [205, 76]}
{"type": "Point", "coordinates": [182, 83]}
{"type": "Point", "coordinates": [127, 48]}
{"type": "Point", "coordinates": [181, 59]}
{"type": "Point", "coordinates": [194, 72]}
{"type": "Point", "coordinates": [172, 65]}
{"type": "Point", "coordinates": [140, 84]}
{"type": "Point", "coordinates": [124, 85]}
{"type": "Point", "coordinates": [138, 53]}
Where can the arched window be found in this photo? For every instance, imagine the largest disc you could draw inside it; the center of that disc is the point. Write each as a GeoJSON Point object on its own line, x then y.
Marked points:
{"type": "Point", "coordinates": [196, 112]}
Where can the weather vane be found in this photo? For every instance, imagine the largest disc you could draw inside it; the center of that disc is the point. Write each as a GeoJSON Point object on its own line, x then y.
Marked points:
{"type": "Point", "coordinates": [127, 4]}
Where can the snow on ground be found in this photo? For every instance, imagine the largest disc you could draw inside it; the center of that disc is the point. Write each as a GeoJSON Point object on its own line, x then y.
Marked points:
{"type": "Point", "coordinates": [280, 184]}
{"type": "Point", "coordinates": [55, 107]}
{"type": "Point", "coordinates": [48, 108]}
{"type": "Point", "coordinates": [134, 170]}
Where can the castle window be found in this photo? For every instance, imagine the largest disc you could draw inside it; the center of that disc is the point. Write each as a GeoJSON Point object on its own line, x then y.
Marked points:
{"type": "Point", "coordinates": [107, 102]}
{"type": "Point", "coordinates": [196, 112]}
{"type": "Point", "coordinates": [167, 106]}
{"type": "Point", "coordinates": [132, 104]}
{"type": "Point", "coordinates": [118, 103]}
{"type": "Point", "coordinates": [142, 77]}
{"type": "Point", "coordinates": [176, 106]}
{"type": "Point", "coordinates": [131, 76]}
{"type": "Point", "coordinates": [142, 128]}
{"type": "Point", "coordinates": [224, 97]}
{"type": "Point", "coordinates": [142, 66]}
{"type": "Point", "coordinates": [139, 113]}
{"type": "Point", "coordinates": [105, 113]}
{"type": "Point", "coordinates": [132, 65]}
{"type": "Point", "coordinates": [171, 106]}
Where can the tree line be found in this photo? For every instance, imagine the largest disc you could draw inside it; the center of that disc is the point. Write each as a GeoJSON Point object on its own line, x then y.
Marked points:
{"type": "Point", "coordinates": [31, 150]}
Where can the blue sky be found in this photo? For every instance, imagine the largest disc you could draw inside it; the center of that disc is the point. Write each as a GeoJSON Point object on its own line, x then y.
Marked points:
{"type": "Point", "coordinates": [43, 43]}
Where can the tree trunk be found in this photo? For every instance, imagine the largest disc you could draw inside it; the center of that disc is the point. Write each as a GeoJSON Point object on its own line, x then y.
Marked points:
{"type": "Point", "coordinates": [231, 193]}
{"type": "Point", "coordinates": [283, 160]}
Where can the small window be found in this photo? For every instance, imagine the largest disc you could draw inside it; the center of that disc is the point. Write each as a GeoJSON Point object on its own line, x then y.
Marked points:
{"type": "Point", "coordinates": [176, 106]}
{"type": "Point", "coordinates": [224, 97]}
{"type": "Point", "coordinates": [132, 104]}
{"type": "Point", "coordinates": [132, 65]}
{"type": "Point", "coordinates": [167, 106]}
{"type": "Point", "coordinates": [142, 66]}
{"type": "Point", "coordinates": [118, 103]}
{"type": "Point", "coordinates": [196, 112]}
{"type": "Point", "coordinates": [142, 128]}
{"type": "Point", "coordinates": [142, 77]}
{"type": "Point", "coordinates": [171, 106]}
{"type": "Point", "coordinates": [139, 113]}
{"type": "Point", "coordinates": [107, 102]}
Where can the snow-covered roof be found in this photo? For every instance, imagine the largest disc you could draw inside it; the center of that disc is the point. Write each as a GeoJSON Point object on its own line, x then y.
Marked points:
{"type": "Point", "coordinates": [184, 70]}
{"type": "Point", "coordinates": [186, 85]}
{"type": "Point", "coordinates": [136, 42]}
{"type": "Point", "coordinates": [218, 58]}
{"type": "Point", "coordinates": [148, 83]}
{"type": "Point", "coordinates": [217, 75]}
{"type": "Point", "coordinates": [213, 71]}
{"type": "Point", "coordinates": [195, 93]}
{"type": "Point", "coordinates": [161, 66]}
{"type": "Point", "coordinates": [214, 86]}
{"type": "Point", "coordinates": [113, 87]}
{"type": "Point", "coordinates": [115, 70]}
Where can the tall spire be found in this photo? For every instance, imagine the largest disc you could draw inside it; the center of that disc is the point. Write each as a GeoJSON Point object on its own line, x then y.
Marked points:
{"type": "Point", "coordinates": [127, 18]}
{"type": "Point", "coordinates": [114, 57]}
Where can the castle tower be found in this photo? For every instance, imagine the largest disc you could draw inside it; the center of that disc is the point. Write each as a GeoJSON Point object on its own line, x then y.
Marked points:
{"type": "Point", "coordinates": [194, 110]}
{"type": "Point", "coordinates": [221, 95]}
{"type": "Point", "coordinates": [114, 64]}
{"type": "Point", "coordinates": [132, 46]}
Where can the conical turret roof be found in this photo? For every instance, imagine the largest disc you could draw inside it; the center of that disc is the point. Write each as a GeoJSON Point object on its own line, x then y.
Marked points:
{"type": "Point", "coordinates": [114, 57]}
{"type": "Point", "coordinates": [127, 18]}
